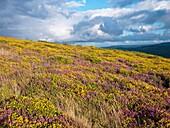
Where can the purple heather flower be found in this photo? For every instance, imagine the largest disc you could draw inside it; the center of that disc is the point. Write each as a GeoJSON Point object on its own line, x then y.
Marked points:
{"type": "Point", "coordinates": [42, 119]}
{"type": "Point", "coordinates": [1, 118]}
{"type": "Point", "coordinates": [50, 120]}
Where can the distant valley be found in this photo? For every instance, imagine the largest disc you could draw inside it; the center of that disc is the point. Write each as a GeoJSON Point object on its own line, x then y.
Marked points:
{"type": "Point", "coordinates": [162, 49]}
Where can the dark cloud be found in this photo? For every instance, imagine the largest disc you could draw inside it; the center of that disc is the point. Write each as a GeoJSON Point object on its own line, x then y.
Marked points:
{"type": "Point", "coordinates": [166, 20]}
{"type": "Point", "coordinates": [153, 16]}
{"type": "Point", "coordinates": [111, 27]}
{"type": "Point", "coordinates": [123, 3]}
{"type": "Point", "coordinates": [83, 25]}
{"type": "Point", "coordinates": [147, 37]}
{"type": "Point", "coordinates": [142, 37]}
{"type": "Point", "coordinates": [3, 5]}
{"type": "Point", "coordinates": [146, 16]}
{"type": "Point", "coordinates": [139, 30]}
{"type": "Point", "coordinates": [166, 34]}
{"type": "Point", "coordinates": [32, 8]}
{"type": "Point", "coordinates": [107, 25]}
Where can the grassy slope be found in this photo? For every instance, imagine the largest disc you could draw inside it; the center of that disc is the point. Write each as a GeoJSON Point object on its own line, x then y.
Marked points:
{"type": "Point", "coordinates": [44, 84]}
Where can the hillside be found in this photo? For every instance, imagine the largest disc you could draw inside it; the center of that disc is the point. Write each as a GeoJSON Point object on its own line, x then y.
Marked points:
{"type": "Point", "coordinates": [162, 49]}
{"type": "Point", "coordinates": [57, 85]}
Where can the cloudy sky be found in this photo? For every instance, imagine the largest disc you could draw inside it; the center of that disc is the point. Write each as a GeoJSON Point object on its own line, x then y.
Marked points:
{"type": "Point", "coordinates": [87, 22]}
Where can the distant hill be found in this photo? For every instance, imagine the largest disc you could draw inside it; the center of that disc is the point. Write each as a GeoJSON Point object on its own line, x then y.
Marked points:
{"type": "Point", "coordinates": [162, 49]}
{"type": "Point", "coordinates": [49, 85]}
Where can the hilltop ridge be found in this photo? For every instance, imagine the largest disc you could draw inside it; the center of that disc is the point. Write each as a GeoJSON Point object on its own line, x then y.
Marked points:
{"type": "Point", "coordinates": [161, 49]}
{"type": "Point", "coordinates": [44, 84]}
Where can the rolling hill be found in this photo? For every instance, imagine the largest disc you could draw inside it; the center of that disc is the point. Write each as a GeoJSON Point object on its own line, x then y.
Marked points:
{"type": "Point", "coordinates": [44, 84]}
{"type": "Point", "coordinates": [162, 49]}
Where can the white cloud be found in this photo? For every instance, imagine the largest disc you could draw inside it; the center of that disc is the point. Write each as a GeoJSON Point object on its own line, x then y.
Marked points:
{"type": "Point", "coordinates": [74, 4]}
{"type": "Point", "coordinates": [153, 5]}
{"type": "Point", "coordinates": [138, 17]}
{"type": "Point", "coordinates": [146, 28]}
{"type": "Point", "coordinates": [96, 29]}
{"type": "Point", "coordinates": [109, 12]}
{"type": "Point", "coordinates": [84, 1]}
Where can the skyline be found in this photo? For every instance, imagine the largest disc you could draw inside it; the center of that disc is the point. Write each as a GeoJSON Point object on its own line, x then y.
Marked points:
{"type": "Point", "coordinates": [87, 22]}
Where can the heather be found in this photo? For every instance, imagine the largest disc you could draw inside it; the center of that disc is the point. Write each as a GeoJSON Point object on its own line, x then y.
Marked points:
{"type": "Point", "coordinates": [44, 84]}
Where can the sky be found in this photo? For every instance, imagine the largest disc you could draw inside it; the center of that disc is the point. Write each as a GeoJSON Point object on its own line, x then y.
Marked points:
{"type": "Point", "coordinates": [87, 22]}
